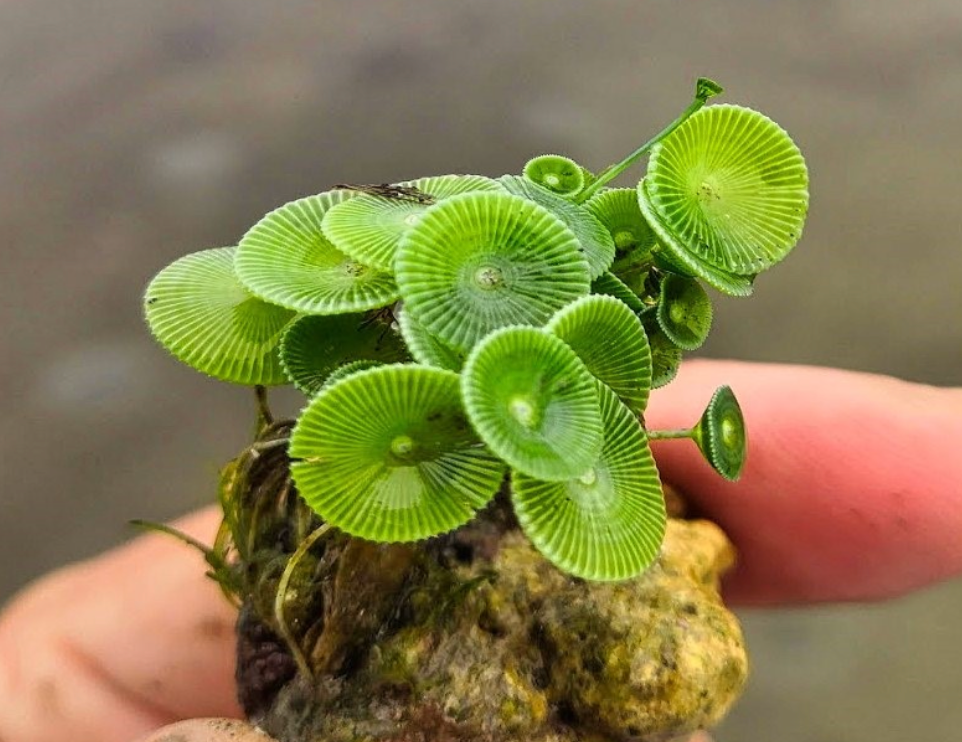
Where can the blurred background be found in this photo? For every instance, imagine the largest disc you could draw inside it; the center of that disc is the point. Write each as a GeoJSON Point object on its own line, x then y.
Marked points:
{"type": "Point", "coordinates": [132, 133]}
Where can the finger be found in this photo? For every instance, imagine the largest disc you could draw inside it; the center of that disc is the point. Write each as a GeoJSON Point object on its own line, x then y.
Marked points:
{"type": "Point", "coordinates": [209, 730]}
{"type": "Point", "coordinates": [112, 648]}
{"type": "Point", "coordinates": [852, 488]}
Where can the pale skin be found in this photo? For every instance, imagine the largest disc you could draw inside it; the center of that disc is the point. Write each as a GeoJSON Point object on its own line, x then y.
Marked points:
{"type": "Point", "coordinates": [852, 492]}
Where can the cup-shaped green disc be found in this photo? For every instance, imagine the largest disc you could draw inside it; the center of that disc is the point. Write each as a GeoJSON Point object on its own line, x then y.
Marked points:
{"type": "Point", "coordinates": [618, 210]}
{"type": "Point", "coordinates": [671, 254]}
{"type": "Point", "coordinates": [596, 242]}
{"type": "Point", "coordinates": [609, 340]}
{"type": "Point", "coordinates": [348, 369]}
{"type": "Point", "coordinates": [533, 402]}
{"type": "Point", "coordinates": [388, 455]}
{"type": "Point", "coordinates": [558, 174]}
{"type": "Point", "coordinates": [721, 436]}
{"type": "Point", "coordinates": [480, 261]}
{"type": "Point", "coordinates": [684, 311]}
{"type": "Point", "coordinates": [198, 310]}
{"type": "Point", "coordinates": [665, 356]}
{"type": "Point", "coordinates": [315, 345]}
{"type": "Point", "coordinates": [610, 285]}
{"type": "Point", "coordinates": [732, 186]}
{"type": "Point", "coordinates": [609, 523]}
{"type": "Point", "coordinates": [286, 259]}
{"type": "Point", "coordinates": [425, 347]}
{"type": "Point", "coordinates": [369, 228]}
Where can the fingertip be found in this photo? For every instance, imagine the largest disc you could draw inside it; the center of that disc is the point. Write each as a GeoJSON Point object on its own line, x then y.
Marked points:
{"type": "Point", "coordinates": [208, 730]}
{"type": "Point", "coordinates": [850, 489]}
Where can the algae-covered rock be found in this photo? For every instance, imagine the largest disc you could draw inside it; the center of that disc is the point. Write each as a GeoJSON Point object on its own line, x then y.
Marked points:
{"type": "Point", "coordinates": [657, 654]}
{"type": "Point", "coordinates": [488, 641]}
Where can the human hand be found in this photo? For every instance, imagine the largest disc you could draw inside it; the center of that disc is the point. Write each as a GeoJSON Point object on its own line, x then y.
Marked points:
{"type": "Point", "coordinates": [851, 492]}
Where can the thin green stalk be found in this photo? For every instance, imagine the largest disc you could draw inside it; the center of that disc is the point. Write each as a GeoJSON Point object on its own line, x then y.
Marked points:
{"type": "Point", "coordinates": [265, 418]}
{"type": "Point", "coordinates": [661, 435]}
{"type": "Point", "coordinates": [704, 89]}
{"type": "Point", "coordinates": [281, 594]}
{"type": "Point", "coordinates": [146, 525]}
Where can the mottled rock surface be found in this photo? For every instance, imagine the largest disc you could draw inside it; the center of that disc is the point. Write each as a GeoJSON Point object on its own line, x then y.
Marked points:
{"type": "Point", "coordinates": [498, 645]}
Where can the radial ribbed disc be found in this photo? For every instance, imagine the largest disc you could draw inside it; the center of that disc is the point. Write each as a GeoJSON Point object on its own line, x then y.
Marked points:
{"type": "Point", "coordinates": [198, 310]}
{"type": "Point", "coordinates": [720, 434]}
{"type": "Point", "coordinates": [596, 242]}
{"type": "Point", "coordinates": [684, 312]}
{"type": "Point", "coordinates": [533, 402]}
{"type": "Point", "coordinates": [316, 345]}
{"type": "Point", "coordinates": [672, 254]}
{"type": "Point", "coordinates": [610, 285]}
{"type": "Point", "coordinates": [665, 356]}
{"type": "Point", "coordinates": [609, 340]}
{"type": "Point", "coordinates": [369, 228]}
{"type": "Point", "coordinates": [388, 455]}
{"type": "Point", "coordinates": [733, 187]}
{"type": "Point", "coordinates": [286, 259]}
{"type": "Point", "coordinates": [558, 174]}
{"type": "Point", "coordinates": [348, 369]}
{"type": "Point", "coordinates": [425, 347]}
{"type": "Point", "coordinates": [445, 186]}
{"type": "Point", "coordinates": [481, 261]}
{"type": "Point", "coordinates": [618, 210]}
{"type": "Point", "coordinates": [608, 524]}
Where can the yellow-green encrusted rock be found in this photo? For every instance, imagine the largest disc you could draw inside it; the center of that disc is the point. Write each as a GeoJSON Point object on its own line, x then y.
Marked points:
{"type": "Point", "coordinates": [654, 655]}
{"type": "Point", "coordinates": [498, 645]}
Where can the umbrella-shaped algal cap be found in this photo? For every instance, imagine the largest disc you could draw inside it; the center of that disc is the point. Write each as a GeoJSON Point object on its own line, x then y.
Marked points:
{"type": "Point", "coordinates": [610, 285]}
{"type": "Point", "coordinates": [732, 186]}
{"type": "Point", "coordinates": [198, 310]}
{"type": "Point", "coordinates": [315, 345]}
{"type": "Point", "coordinates": [596, 242]}
{"type": "Point", "coordinates": [388, 455]}
{"type": "Point", "coordinates": [481, 261]}
{"type": "Point", "coordinates": [610, 341]}
{"type": "Point", "coordinates": [618, 210]}
{"type": "Point", "coordinates": [369, 227]}
{"type": "Point", "coordinates": [665, 356]}
{"type": "Point", "coordinates": [533, 402]}
{"type": "Point", "coordinates": [558, 174]}
{"type": "Point", "coordinates": [720, 434]}
{"type": "Point", "coordinates": [348, 369]}
{"type": "Point", "coordinates": [609, 523]}
{"type": "Point", "coordinates": [426, 348]}
{"type": "Point", "coordinates": [672, 255]}
{"type": "Point", "coordinates": [286, 259]}
{"type": "Point", "coordinates": [684, 311]}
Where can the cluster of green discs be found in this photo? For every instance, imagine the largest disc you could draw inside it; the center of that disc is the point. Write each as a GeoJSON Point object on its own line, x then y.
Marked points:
{"type": "Point", "coordinates": [458, 336]}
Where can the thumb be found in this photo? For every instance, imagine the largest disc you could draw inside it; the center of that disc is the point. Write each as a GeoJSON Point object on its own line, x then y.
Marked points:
{"type": "Point", "coordinates": [114, 647]}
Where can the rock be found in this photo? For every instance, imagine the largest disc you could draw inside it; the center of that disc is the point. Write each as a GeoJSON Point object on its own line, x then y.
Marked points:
{"type": "Point", "coordinates": [654, 655]}
{"type": "Point", "coordinates": [509, 648]}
